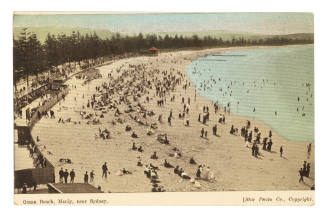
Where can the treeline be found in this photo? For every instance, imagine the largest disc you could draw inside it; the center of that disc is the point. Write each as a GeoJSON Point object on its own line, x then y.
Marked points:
{"type": "Point", "coordinates": [32, 57]}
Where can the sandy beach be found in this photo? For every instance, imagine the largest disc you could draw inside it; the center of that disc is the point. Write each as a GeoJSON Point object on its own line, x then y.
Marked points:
{"type": "Point", "coordinates": [133, 82]}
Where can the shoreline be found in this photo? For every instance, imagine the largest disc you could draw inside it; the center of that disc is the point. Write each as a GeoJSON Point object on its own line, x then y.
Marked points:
{"type": "Point", "coordinates": [235, 114]}
{"type": "Point", "coordinates": [185, 58]}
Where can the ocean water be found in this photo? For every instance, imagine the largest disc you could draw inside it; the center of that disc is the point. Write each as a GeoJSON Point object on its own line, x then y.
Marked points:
{"type": "Point", "coordinates": [274, 85]}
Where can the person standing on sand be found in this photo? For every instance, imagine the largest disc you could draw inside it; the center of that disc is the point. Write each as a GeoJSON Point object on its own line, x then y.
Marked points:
{"type": "Point", "coordinates": [61, 175]}
{"type": "Point", "coordinates": [202, 132]}
{"type": "Point", "coordinates": [92, 174]}
{"type": "Point", "coordinates": [214, 130]}
{"type": "Point", "coordinates": [304, 166]}
{"type": "Point", "coordinates": [301, 175]}
{"type": "Point", "coordinates": [104, 170]}
{"type": "Point", "coordinates": [86, 178]}
{"type": "Point", "coordinates": [66, 174]}
{"type": "Point", "coordinates": [281, 151]}
{"type": "Point", "coordinates": [169, 120]}
{"type": "Point", "coordinates": [256, 150]}
{"type": "Point", "coordinates": [269, 145]}
{"type": "Point", "coordinates": [198, 172]}
{"type": "Point", "coordinates": [307, 172]}
{"type": "Point", "coordinates": [309, 150]}
{"type": "Point", "coordinates": [72, 176]}
{"type": "Point", "coordinates": [265, 143]}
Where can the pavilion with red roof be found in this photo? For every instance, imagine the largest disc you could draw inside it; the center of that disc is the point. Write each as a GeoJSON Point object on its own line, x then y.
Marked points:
{"type": "Point", "coordinates": [153, 51]}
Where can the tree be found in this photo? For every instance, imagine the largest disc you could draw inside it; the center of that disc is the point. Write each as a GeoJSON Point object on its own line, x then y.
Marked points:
{"type": "Point", "coordinates": [22, 56]}
{"type": "Point", "coordinates": [51, 51]}
{"type": "Point", "coordinates": [32, 57]}
{"type": "Point", "coordinates": [17, 63]}
{"type": "Point", "coordinates": [35, 56]}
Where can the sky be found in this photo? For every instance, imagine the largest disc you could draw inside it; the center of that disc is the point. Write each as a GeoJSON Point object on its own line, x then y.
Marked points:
{"type": "Point", "coordinates": [260, 23]}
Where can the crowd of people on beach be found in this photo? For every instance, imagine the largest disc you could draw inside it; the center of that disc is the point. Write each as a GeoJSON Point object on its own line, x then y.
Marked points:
{"type": "Point", "coordinates": [126, 96]}
{"type": "Point", "coordinates": [87, 177]}
{"type": "Point", "coordinates": [139, 82]}
{"type": "Point", "coordinates": [38, 160]}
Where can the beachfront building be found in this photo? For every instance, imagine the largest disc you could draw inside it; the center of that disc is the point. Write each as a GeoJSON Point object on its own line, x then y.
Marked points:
{"type": "Point", "coordinates": [153, 51]}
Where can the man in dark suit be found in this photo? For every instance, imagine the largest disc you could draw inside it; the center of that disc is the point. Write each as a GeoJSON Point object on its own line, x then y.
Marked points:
{"type": "Point", "coordinates": [61, 175]}
{"type": "Point", "coordinates": [66, 174]}
{"type": "Point", "coordinates": [72, 176]}
{"type": "Point", "coordinates": [86, 177]}
{"type": "Point", "coordinates": [104, 170]}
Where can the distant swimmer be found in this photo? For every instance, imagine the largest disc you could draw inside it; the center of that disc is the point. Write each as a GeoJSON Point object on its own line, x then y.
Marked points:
{"type": "Point", "coordinates": [281, 151]}
{"type": "Point", "coordinates": [298, 99]}
{"type": "Point", "coordinates": [276, 113]}
{"type": "Point", "coordinates": [254, 110]}
{"type": "Point", "coordinates": [309, 151]}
